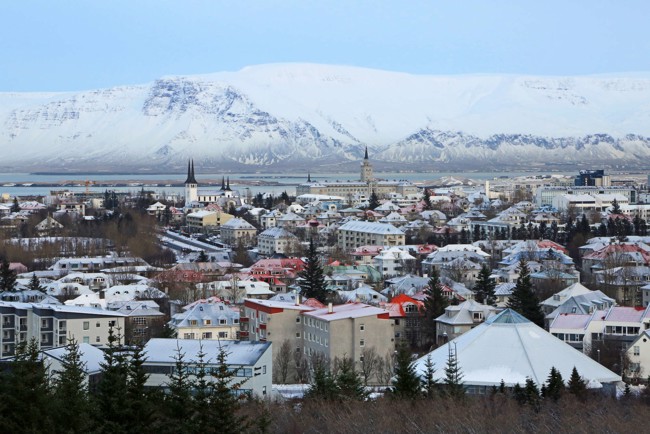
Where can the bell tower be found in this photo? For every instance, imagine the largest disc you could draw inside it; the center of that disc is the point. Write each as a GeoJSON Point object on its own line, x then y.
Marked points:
{"type": "Point", "coordinates": [191, 186]}
{"type": "Point", "coordinates": [366, 169]}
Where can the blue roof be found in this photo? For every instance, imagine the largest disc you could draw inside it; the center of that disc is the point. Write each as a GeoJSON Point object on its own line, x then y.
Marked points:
{"type": "Point", "coordinates": [508, 316]}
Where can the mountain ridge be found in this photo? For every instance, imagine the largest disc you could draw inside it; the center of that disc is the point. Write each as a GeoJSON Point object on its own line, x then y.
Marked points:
{"type": "Point", "coordinates": [305, 115]}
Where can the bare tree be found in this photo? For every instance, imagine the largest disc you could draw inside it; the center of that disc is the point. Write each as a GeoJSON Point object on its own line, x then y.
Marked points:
{"type": "Point", "coordinates": [283, 362]}
{"type": "Point", "coordinates": [385, 368]}
{"type": "Point", "coordinates": [302, 367]}
{"type": "Point", "coordinates": [369, 359]}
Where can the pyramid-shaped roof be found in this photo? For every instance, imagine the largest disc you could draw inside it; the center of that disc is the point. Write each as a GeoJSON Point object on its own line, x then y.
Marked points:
{"type": "Point", "coordinates": [509, 347]}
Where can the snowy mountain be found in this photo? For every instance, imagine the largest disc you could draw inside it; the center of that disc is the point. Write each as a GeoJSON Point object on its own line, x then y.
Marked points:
{"type": "Point", "coordinates": [303, 115]}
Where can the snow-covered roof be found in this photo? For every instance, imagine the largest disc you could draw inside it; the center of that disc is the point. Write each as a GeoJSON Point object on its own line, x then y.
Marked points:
{"type": "Point", "coordinates": [244, 353]}
{"type": "Point", "coordinates": [371, 228]}
{"type": "Point", "coordinates": [510, 348]}
{"type": "Point", "coordinates": [349, 310]}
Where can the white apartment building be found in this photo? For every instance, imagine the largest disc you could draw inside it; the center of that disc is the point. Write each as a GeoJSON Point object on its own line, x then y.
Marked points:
{"type": "Point", "coordinates": [355, 234]}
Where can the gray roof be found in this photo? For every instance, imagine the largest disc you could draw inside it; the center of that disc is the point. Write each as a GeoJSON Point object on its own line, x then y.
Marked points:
{"type": "Point", "coordinates": [371, 227]}
{"type": "Point", "coordinates": [244, 353]}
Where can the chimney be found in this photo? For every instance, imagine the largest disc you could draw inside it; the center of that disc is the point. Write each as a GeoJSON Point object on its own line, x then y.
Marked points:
{"type": "Point", "coordinates": [330, 308]}
{"type": "Point", "coordinates": [102, 294]}
{"type": "Point", "coordinates": [297, 299]}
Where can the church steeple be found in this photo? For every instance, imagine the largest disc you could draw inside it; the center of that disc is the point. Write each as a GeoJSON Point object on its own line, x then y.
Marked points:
{"type": "Point", "coordinates": [223, 183]}
{"type": "Point", "coordinates": [366, 156]}
{"type": "Point", "coordinates": [190, 173]}
{"type": "Point", "coordinates": [228, 185]}
{"type": "Point", "coordinates": [308, 177]}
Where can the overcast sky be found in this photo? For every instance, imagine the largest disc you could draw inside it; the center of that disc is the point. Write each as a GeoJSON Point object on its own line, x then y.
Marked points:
{"type": "Point", "coordinates": [48, 45]}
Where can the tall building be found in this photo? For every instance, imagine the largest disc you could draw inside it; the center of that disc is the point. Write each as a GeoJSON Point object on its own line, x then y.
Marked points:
{"type": "Point", "coordinates": [593, 178]}
{"type": "Point", "coordinates": [362, 188]}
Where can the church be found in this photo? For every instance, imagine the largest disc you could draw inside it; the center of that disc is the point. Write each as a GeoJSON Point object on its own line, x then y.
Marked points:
{"type": "Point", "coordinates": [359, 189]}
{"type": "Point", "coordinates": [224, 197]}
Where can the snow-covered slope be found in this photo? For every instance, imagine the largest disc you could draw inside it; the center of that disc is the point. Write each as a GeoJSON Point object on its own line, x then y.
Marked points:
{"type": "Point", "coordinates": [305, 114]}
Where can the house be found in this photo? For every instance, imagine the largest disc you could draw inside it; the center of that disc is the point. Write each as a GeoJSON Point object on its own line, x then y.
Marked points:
{"type": "Point", "coordinates": [91, 358]}
{"type": "Point", "coordinates": [48, 226]}
{"type": "Point", "coordinates": [142, 320]}
{"type": "Point", "coordinates": [156, 209]}
{"type": "Point", "coordinates": [509, 348]}
{"type": "Point", "coordinates": [445, 255]}
{"type": "Point", "coordinates": [639, 355]}
{"type": "Point", "coordinates": [575, 299]}
{"type": "Point", "coordinates": [206, 221]}
{"type": "Point", "coordinates": [207, 321]}
{"type": "Point", "coordinates": [406, 313]}
{"type": "Point", "coordinates": [461, 318]}
{"type": "Point", "coordinates": [394, 261]}
{"type": "Point", "coordinates": [237, 231]}
{"type": "Point", "coordinates": [276, 240]}
{"type": "Point", "coordinates": [250, 361]}
{"type": "Point", "coordinates": [364, 294]}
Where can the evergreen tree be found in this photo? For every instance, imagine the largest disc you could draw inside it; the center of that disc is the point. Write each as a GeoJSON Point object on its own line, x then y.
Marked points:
{"type": "Point", "coordinates": [313, 278]}
{"type": "Point", "coordinates": [111, 403]}
{"type": "Point", "coordinates": [435, 303]}
{"type": "Point", "coordinates": [140, 408]}
{"type": "Point", "coordinates": [616, 208]}
{"type": "Point", "coordinates": [555, 386]}
{"type": "Point", "coordinates": [406, 383]}
{"type": "Point", "coordinates": [179, 405]}
{"type": "Point", "coordinates": [15, 207]}
{"type": "Point", "coordinates": [7, 277]}
{"type": "Point", "coordinates": [226, 399]}
{"type": "Point", "coordinates": [34, 283]}
{"type": "Point", "coordinates": [323, 385]}
{"type": "Point", "coordinates": [502, 386]}
{"type": "Point", "coordinates": [349, 382]}
{"type": "Point", "coordinates": [531, 392]}
{"type": "Point", "coordinates": [27, 397]}
{"type": "Point", "coordinates": [485, 287]}
{"type": "Point", "coordinates": [373, 202]}
{"type": "Point", "coordinates": [577, 386]}
{"type": "Point", "coordinates": [426, 199]}
{"type": "Point", "coordinates": [523, 299]}
{"type": "Point", "coordinates": [453, 376]}
{"type": "Point", "coordinates": [71, 400]}
{"type": "Point", "coordinates": [518, 394]}
{"type": "Point", "coordinates": [429, 384]}
{"type": "Point", "coordinates": [203, 257]}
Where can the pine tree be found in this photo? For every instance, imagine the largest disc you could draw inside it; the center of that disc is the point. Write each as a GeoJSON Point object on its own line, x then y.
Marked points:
{"type": "Point", "coordinates": [406, 384]}
{"type": "Point", "coordinates": [523, 299]}
{"type": "Point", "coordinates": [203, 257]}
{"type": "Point", "coordinates": [453, 376]}
{"type": "Point", "coordinates": [429, 383]}
{"type": "Point", "coordinates": [555, 386]}
{"type": "Point", "coordinates": [426, 198]}
{"type": "Point", "coordinates": [577, 385]}
{"type": "Point", "coordinates": [531, 392]}
{"type": "Point", "coordinates": [34, 283]}
{"type": "Point", "coordinates": [178, 402]}
{"type": "Point", "coordinates": [349, 382]}
{"type": "Point", "coordinates": [616, 208]}
{"type": "Point", "coordinates": [435, 303]}
{"type": "Point", "coordinates": [373, 202]}
{"type": "Point", "coordinates": [27, 397]}
{"type": "Point", "coordinates": [323, 385]}
{"type": "Point", "coordinates": [15, 207]}
{"type": "Point", "coordinates": [226, 398]}
{"type": "Point", "coordinates": [7, 277]}
{"type": "Point", "coordinates": [313, 278]}
{"type": "Point", "coordinates": [141, 410]}
{"type": "Point", "coordinates": [485, 287]}
{"type": "Point", "coordinates": [71, 399]}
{"type": "Point", "coordinates": [111, 403]}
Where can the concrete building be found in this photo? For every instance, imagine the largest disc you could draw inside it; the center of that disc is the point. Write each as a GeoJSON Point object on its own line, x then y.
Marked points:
{"type": "Point", "coordinates": [355, 234]}
{"type": "Point", "coordinates": [238, 230]}
{"type": "Point", "coordinates": [52, 325]}
{"type": "Point", "coordinates": [251, 361]}
{"type": "Point", "coordinates": [461, 318]}
{"type": "Point", "coordinates": [276, 240]}
{"type": "Point", "coordinates": [207, 321]}
{"type": "Point", "coordinates": [206, 221]}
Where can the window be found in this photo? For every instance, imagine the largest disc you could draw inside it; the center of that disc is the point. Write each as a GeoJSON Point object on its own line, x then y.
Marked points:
{"type": "Point", "coordinates": [206, 335]}
{"type": "Point", "coordinates": [222, 321]}
{"type": "Point", "coordinates": [97, 324]}
{"type": "Point", "coordinates": [86, 326]}
{"type": "Point", "coordinates": [43, 323]}
{"type": "Point", "coordinates": [193, 322]}
{"type": "Point", "coordinates": [140, 321]}
{"type": "Point", "coordinates": [208, 322]}
{"type": "Point", "coordinates": [298, 334]}
{"type": "Point", "coordinates": [86, 339]}
{"type": "Point", "coordinates": [362, 327]}
{"type": "Point", "coordinates": [637, 350]}
{"type": "Point", "coordinates": [362, 343]}
{"type": "Point", "coordinates": [111, 323]}
{"type": "Point", "coordinates": [97, 339]}
{"type": "Point", "coordinates": [223, 334]}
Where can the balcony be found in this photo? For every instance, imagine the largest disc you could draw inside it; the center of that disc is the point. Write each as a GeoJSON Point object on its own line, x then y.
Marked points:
{"type": "Point", "coordinates": [262, 326]}
{"type": "Point", "coordinates": [244, 319]}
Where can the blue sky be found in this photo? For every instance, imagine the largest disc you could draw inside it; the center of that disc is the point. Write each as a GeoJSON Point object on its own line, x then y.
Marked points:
{"type": "Point", "coordinates": [48, 45]}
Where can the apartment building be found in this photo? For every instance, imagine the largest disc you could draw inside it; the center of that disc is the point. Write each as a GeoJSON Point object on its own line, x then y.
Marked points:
{"type": "Point", "coordinates": [207, 321]}
{"type": "Point", "coordinates": [355, 234]}
{"type": "Point", "coordinates": [52, 325]}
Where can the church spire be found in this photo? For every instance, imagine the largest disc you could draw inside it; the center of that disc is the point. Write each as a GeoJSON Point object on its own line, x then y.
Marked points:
{"type": "Point", "coordinates": [308, 177]}
{"type": "Point", "coordinates": [228, 184]}
{"type": "Point", "coordinates": [366, 156]}
{"type": "Point", "coordinates": [190, 173]}
{"type": "Point", "coordinates": [223, 183]}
